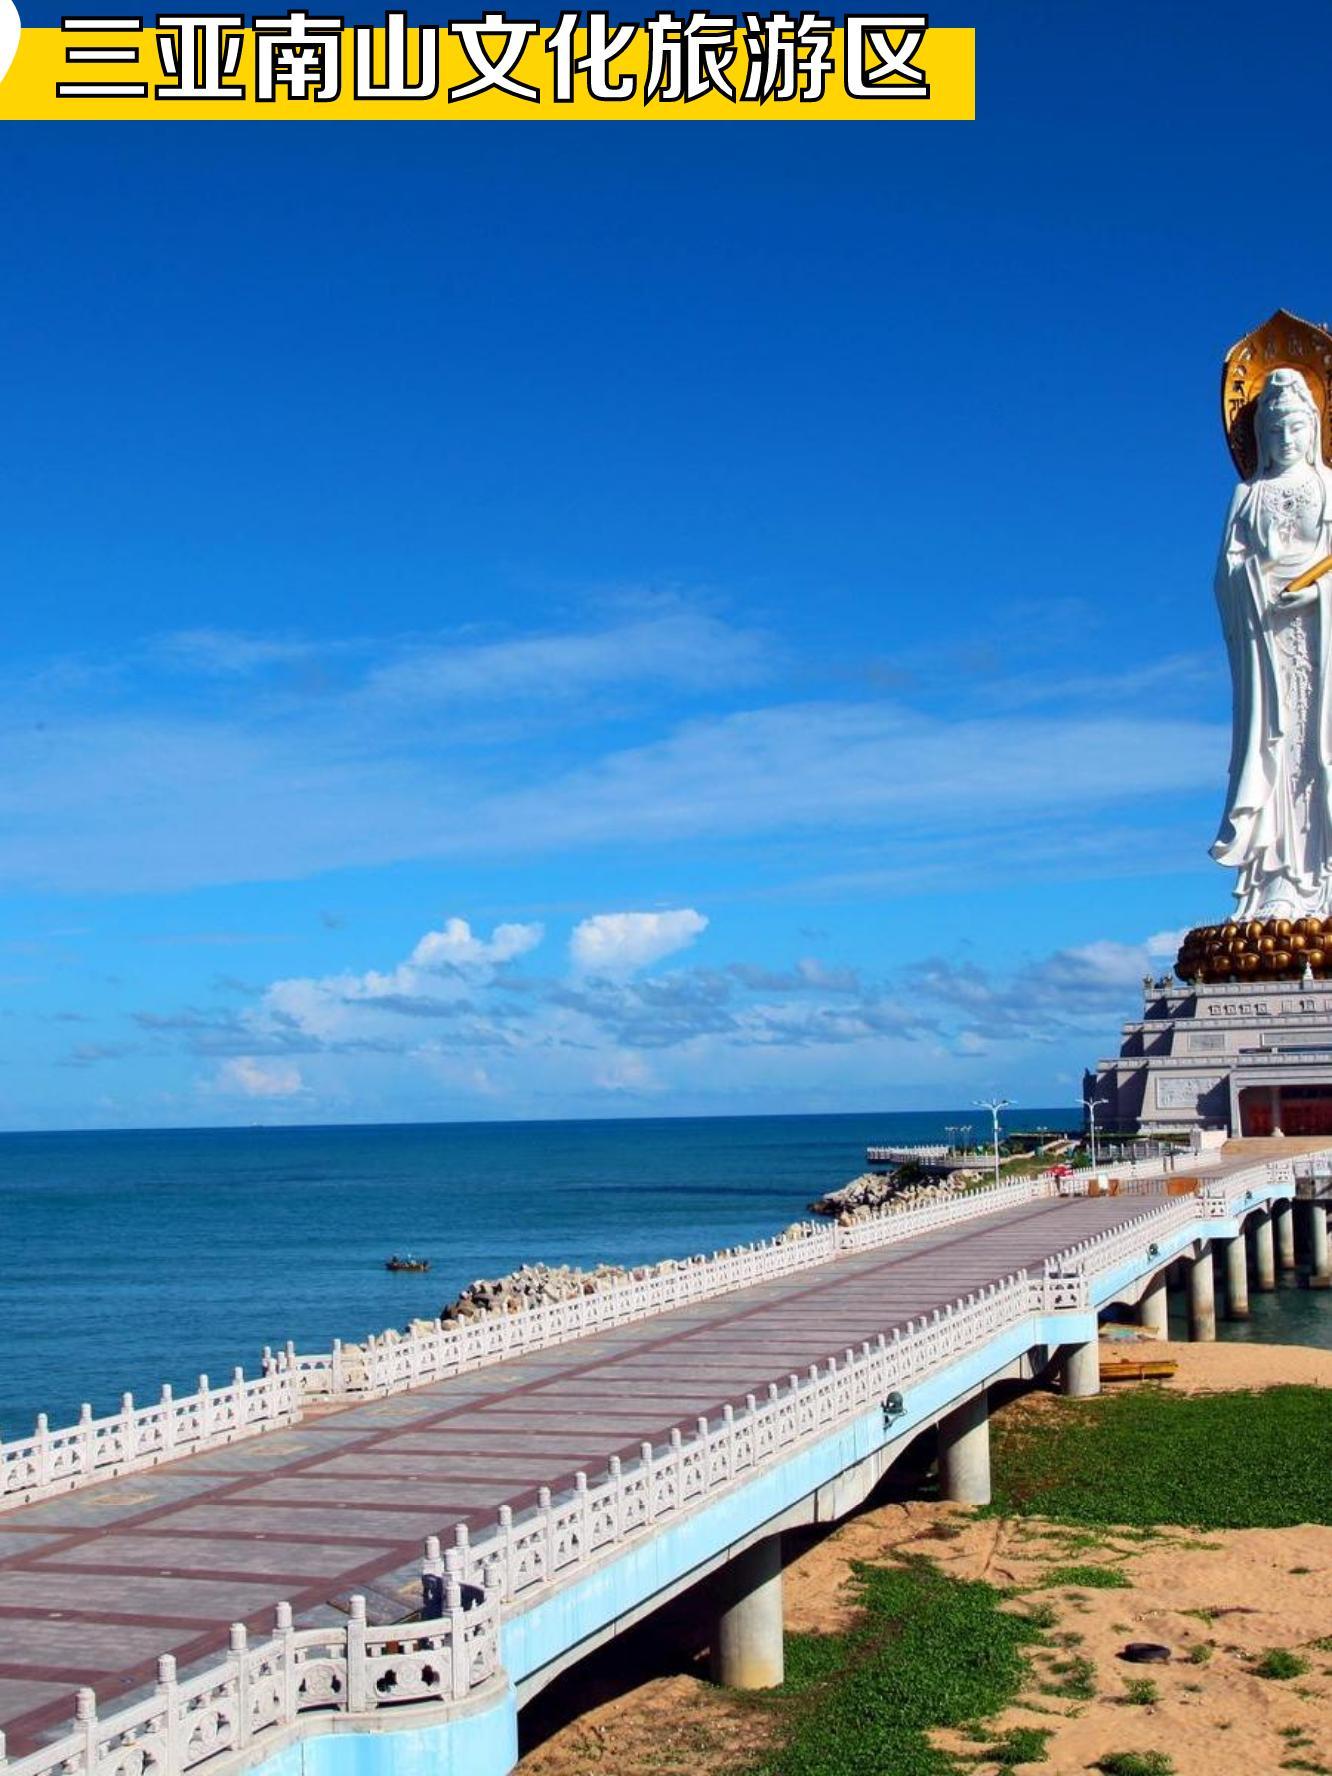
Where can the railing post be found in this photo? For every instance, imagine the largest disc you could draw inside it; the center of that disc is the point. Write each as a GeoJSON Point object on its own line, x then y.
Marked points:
{"type": "Point", "coordinates": [85, 1715]}
{"type": "Point", "coordinates": [284, 1634]}
{"type": "Point", "coordinates": [87, 1442]}
{"type": "Point", "coordinates": [335, 1376]}
{"type": "Point", "coordinates": [357, 1686]}
{"type": "Point", "coordinates": [168, 1408]}
{"type": "Point", "coordinates": [506, 1544]}
{"type": "Point", "coordinates": [459, 1661]}
{"type": "Point", "coordinates": [239, 1648]}
{"type": "Point", "coordinates": [42, 1451]}
{"type": "Point", "coordinates": [205, 1411]}
{"type": "Point", "coordinates": [584, 1526]}
{"type": "Point", "coordinates": [173, 1760]}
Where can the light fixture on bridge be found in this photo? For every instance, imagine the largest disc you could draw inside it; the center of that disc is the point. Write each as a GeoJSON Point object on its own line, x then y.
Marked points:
{"type": "Point", "coordinates": [894, 1407]}
{"type": "Point", "coordinates": [1153, 1251]}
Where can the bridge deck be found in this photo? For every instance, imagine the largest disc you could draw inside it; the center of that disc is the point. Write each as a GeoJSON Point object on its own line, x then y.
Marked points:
{"type": "Point", "coordinates": [96, 1584]}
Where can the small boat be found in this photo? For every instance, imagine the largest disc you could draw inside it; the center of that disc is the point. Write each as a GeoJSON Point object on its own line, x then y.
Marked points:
{"type": "Point", "coordinates": [408, 1263]}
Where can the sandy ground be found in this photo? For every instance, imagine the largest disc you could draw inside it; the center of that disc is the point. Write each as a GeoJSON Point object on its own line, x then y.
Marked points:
{"type": "Point", "coordinates": [1218, 1602]}
{"type": "Point", "coordinates": [1218, 1368]}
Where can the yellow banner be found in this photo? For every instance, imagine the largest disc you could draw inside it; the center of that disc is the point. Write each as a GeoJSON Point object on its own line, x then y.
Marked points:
{"type": "Point", "coordinates": [301, 65]}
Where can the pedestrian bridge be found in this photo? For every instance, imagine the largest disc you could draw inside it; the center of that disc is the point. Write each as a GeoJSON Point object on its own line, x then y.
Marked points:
{"type": "Point", "coordinates": [567, 1469]}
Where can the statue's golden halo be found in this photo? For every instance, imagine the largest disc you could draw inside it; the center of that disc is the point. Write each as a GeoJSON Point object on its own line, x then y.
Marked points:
{"type": "Point", "coordinates": [1283, 343]}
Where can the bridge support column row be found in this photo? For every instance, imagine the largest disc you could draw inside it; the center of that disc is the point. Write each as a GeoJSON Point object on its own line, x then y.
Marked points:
{"type": "Point", "coordinates": [1264, 1252]}
{"type": "Point", "coordinates": [1081, 1369]}
{"type": "Point", "coordinates": [1285, 1234]}
{"type": "Point", "coordinates": [1320, 1274]}
{"type": "Point", "coordinates": [1237, 1278]}
{"type": "Point", "coordinates": [1202, 1296]}
{"type": "Point", "coordinates": [1153, 1307]}
{"type": "Point", "coordinates": [747, 1645]}
{"type": "Point", "coordinates": [964, 1452]}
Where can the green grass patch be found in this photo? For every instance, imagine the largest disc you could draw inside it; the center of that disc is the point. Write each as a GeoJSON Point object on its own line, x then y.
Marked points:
{"type": "Point", "coordinates": [1141, 1692]}
{"type": "Point", "coordinates": [1144, 1457]}
{"type": "Point", "coordinates": [1073, 1678]}
{"type": "Point", "coordinates": [929, 1651]}
{"type": "Point", "coordinates": [1088, 1578]}
{"type": "Point", "coordinates": [1280, 1663]}
{"type": "Point", "coordinates": [1136, 1763]}
{"type": "Point", "coordinates": [1021, 1745]}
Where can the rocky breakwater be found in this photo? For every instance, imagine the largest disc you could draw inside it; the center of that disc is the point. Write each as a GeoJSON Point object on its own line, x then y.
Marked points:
{"type": "Point", "coordinates": [874, 1192]}
{"type": "Point", "coordinates": [540, 1285]}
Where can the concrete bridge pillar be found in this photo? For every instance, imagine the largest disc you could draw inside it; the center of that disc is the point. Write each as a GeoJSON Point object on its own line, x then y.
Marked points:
{"type": "Point", "coordinates": [1264, 1252]}
{"type": "Point", "coordinates": [1320, 1274]}
{"type": "Point", "coordinates": [1081, 1368]}
{"type": "Point", "coordinates": [1237, 1278]}
{"type": "Point", "coordinates": [747, 1643]}
{"type": "Point", "coordinates": [1202, 1296]}
{"type": "Point", "coordinates": [1153, 1307]}
{"type": "Point", "coordinates": [1285, 1234]}
{"type": "Point", "coordinates": [964, 1452]}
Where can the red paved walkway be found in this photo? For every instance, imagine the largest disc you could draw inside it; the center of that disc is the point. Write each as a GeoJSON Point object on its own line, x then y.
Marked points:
{"type": "Point", "coordinates": [96, 1584]}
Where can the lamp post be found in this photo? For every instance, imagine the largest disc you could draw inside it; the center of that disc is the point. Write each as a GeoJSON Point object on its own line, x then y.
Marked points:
{"type": "Point", "coordinates": [994, 1106]}
{"type": "Point", "coordinates": [1091, 1106]}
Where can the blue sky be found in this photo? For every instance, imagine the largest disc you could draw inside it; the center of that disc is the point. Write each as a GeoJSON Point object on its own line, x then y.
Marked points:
{"type": "Point", "coordinates": [426, 545]}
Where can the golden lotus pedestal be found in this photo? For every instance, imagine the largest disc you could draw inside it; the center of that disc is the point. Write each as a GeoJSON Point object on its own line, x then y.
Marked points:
{"type": "Point", "coordinates": [1257, 950]}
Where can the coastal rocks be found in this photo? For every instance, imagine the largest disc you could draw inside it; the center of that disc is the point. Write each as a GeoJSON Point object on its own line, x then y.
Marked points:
{"type": "Point", "coordinates": [872, 1192]}
{"type": "Point", "coordinates": [542, 1285]}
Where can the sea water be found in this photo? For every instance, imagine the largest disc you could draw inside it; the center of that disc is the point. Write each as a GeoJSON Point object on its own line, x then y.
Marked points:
{"type": "Point", "coordinates": [132, 1259]}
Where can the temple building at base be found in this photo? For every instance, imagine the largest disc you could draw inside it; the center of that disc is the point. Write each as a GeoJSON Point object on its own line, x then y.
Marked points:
{"type": "Point", "coordinates": [1255, 1058]}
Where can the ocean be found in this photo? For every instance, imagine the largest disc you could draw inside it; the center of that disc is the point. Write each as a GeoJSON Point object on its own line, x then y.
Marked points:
{"type": "Point", "coordinates": [132, 1259]}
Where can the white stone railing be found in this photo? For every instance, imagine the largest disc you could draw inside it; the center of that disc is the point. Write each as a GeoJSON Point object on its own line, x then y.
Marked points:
{"type": "Point", "coordinates": [256, 1693]}
{"type": "Point", "coordinates": [907, 1155]}
{"type": "Point", "coordinates": [519, 1556]}
{"type": "Point", "coordinates": [1136, 1174]}
{"type": "Point", "coordinates": [144, 1436]}
{"type": "Point", "coordinates": [49, 1462]}
{"type": "Point", "coordinates": [944, 1211]}
{"type": "Point", "coordinates": [1217, 1200]}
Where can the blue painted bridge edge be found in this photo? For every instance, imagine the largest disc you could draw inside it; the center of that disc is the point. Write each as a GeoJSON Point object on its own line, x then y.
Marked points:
{"type": "Point", "coordinates": [1174, 1245]}
{"type": "Point", "coordinates": [482, 1741]}
{"type": "Point", "coordinates": [651, 1565]}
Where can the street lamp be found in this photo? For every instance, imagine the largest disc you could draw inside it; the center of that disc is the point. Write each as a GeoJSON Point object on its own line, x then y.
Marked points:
{"type": "Point", "coordinates": [1091, 1106]}
{"type": "Point", "coordinates": [994, 1106]}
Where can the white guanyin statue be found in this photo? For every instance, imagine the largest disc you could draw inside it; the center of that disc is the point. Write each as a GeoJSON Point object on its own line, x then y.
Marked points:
{"type": "Point", "coordinates": [1277, 827]}
{"type": "Point", "coordinates": [10, 28]}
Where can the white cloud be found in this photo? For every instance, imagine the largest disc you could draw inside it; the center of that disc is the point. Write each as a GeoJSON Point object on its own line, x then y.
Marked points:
{"type": "Point", "coordinates": [676, 646]}
{"type": "Point", "coordinates": [1163, 946]}
{"type": "Point", "coordinates": [456, 947]}
{"type": "Point", "coordinates": [616, 944]}
{"type": "Point", "coordinates": [433, 982]}
{"type": "Point", "coordinates": [249, 1078]}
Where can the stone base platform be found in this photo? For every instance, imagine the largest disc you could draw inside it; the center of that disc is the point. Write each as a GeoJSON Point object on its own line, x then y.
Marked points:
{"type": "Point", "coordinates": [1251, 1056]}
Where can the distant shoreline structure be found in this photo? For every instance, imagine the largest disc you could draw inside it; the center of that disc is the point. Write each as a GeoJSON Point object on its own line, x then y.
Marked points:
{"type": "Point", "coordinates": [1072, 1113]}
